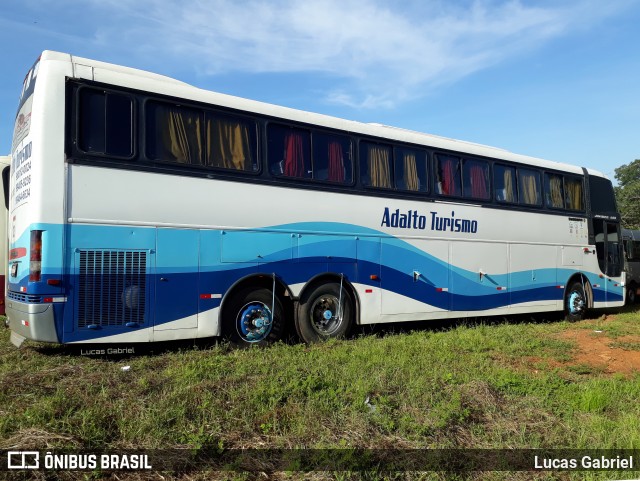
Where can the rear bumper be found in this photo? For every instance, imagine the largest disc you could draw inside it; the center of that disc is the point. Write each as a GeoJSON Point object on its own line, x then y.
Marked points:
{"type": "Point", "coordinates": [31, 321]}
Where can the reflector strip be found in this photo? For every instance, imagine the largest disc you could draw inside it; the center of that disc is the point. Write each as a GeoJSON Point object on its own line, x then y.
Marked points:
{"type": "Point", "coordinates": [442, 289]}
{"type": "Point", "coordinates": [369, 291]}
{"type": "Point", "coordinates": [501, 288]}
{"type": "Point", "coordinates": [17, 253]}
{"type": "Point", "coordinates": [596, 285]}
{"type": "Point", "coordinates": [54, 299]}
{"type": "Point", "coordinates": [559, 287]}
{"type": "Point", "coordinates": [210, 296]}
{"type": "Point", "coordinates": [25, 323]}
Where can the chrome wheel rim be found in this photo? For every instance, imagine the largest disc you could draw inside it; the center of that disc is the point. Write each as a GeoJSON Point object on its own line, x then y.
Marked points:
{"type": "Point", "coordinates": [326, 315]}
{"type": "Point", "coordinates": [254, 322]}
{"type": "Point", "coordinates": [576, 302]}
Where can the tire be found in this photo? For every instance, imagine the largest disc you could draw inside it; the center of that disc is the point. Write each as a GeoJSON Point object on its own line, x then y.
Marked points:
{"type": "Point", "coordinates": [631, 294]}
{"type": "Point", "coordinates": [575, 302]}
{"type": "Point", "coordinates": [248, 319]}
{"type": "Point", "coordinates": [324, 312]}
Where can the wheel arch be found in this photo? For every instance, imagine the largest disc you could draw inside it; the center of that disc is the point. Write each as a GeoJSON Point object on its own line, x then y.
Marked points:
{"type": "Point", "coordinates": [327, 277]}
{"type": "Point", "coordinates": [588, 289]}
{"type": "Point", "coordinates": [257, 281]}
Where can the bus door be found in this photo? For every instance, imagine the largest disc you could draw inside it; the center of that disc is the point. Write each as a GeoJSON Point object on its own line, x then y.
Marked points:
{"type": "Point", "coordinates": [608, 250]}
{"type": "Point", "coordinates": [176, 279]}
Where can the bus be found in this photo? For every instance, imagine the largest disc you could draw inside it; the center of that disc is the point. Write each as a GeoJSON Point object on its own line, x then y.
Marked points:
{"type": "Point", "coordinates": [631, 242]}
{"type": "Point", "coordinates": [5, 161]}
{"type": "Point", "coordinates": [145, 209]}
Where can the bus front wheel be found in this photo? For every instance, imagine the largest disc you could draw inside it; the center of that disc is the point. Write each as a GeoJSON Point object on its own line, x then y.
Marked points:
{"type": "Point", "coordinates": [575, 302]}
{"type": "Point", "coordinates": [631, 294]}
{"type": "Point", "coordinates": [255, 317]}
{"type": "Point", "coordinates": [324, 312]}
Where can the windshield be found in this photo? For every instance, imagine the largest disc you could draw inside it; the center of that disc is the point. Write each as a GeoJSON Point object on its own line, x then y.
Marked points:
{"type": "Point", "coordinates": [603, 201]}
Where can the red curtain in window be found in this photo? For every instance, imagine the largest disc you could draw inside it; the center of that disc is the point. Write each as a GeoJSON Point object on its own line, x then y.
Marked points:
{"type": "Point", "coordinates": [293, 155]}
{"type": "Point", "coordinates": [478, 183]}
{"type": "Point", "coordinates": [336, 162]}
{"type": "Point", "coordinates": [448, 177]}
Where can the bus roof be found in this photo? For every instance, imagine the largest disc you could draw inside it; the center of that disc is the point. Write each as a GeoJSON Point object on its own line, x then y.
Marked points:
{"type": "Point", "coordinates": [144, 80]}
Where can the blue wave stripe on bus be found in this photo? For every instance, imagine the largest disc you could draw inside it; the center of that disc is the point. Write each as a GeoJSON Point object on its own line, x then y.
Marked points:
{"type": "Point", "coordinates": [295, 255]}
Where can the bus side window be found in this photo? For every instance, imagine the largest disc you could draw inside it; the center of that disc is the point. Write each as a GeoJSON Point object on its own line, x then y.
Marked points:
{"type": "Point", "coordinates": [574, 194]}
{"type": "Point", "coordinates": [289, 151]}
{"type": "Point", "coordinates": [376, 165]}
{"type": "Point", "coordinates": [529, 187]}
{"type": "Point", "coordinates": [411, 169]}
{"type": "Point", "coordinates": [504, 183]}
{"type": "Point", "coordinates": [174, 133]}
{"type": "Point", "coordinates": [231, 143]}
{"type": "Point", "coordinates": [448, 178]}
{"type": "Point", "coordinates": [105, 123]}
{"type": "Point", "coordinates": [553, 191]}
{"type": "Point", "coordinates": [475, 177]}
{"type": "Point", "coordinates": [332, 158]}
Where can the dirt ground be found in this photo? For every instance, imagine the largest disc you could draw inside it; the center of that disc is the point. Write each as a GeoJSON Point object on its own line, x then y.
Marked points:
{"type": "Point", "coordinates": [594, 348]}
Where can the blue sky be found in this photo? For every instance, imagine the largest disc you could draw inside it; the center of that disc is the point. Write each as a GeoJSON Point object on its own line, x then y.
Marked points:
{"type": "Point", "coordinates": [556, 79]}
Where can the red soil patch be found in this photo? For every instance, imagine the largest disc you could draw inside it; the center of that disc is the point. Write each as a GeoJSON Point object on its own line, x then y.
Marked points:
{"type": "Point", "coordinates": [595, 349]}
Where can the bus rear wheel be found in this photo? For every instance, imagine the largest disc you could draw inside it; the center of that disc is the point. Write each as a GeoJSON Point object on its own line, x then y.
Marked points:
{"type": "Point", "coordinates": [325, 312]}
{"type": "Point", "coordinates": [255, 317]}
{"type": "Point", "coordinates": [575, 302]}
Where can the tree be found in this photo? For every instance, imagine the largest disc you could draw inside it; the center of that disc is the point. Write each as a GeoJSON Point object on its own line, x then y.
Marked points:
{"type": "Point", "coordinates": [628, 194]}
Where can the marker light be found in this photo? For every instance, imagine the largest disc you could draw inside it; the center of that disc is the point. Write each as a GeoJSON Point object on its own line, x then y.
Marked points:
{"type": "Point", "coordinates": [35, 264]}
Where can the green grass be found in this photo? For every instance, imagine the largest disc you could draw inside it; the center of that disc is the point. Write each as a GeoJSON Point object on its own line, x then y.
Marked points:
{"type": "Point", "coordinates": [471, 386]}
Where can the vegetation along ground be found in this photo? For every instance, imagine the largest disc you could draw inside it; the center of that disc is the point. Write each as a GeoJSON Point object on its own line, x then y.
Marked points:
{"type": "Point", "coordinates": [520, 383]}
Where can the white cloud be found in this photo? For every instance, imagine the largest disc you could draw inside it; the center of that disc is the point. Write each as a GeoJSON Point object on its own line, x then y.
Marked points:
{"type": "Point", "coordinates": [376, 53]}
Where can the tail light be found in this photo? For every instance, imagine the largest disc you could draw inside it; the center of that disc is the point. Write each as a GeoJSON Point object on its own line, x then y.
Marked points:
{"type": "Point", "coordinates": [35, 264]}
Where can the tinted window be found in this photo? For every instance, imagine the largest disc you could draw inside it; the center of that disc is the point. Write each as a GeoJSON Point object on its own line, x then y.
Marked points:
{"type": "Point", "coordinates": [105, 123]}
{"type": "Point", "coordinates": [504, 183]}
{"type": "Point", "coordinates": [476, 179]}
{"type": "Point", "coordinates": [289, 151]}
{"type": "Point", "coordinates": [574, 193]}
{"type": "Point", "coordinates": [231, 143]}
{"type": "Point", "coordinates": [553, 191]}
{"type": "Point", "coordinates": [601, 194]}
{"type": "Point", "coordinates": [174, 133]}
{"type": "Point", "coordinates": [332, 158]}
{"type": "Point", "coordinates": [632, 250]}
{"type": "Point", "coordinates": [448, 176]}
{"type": "Point", "coordinates": [529, 187]}
{"type": "Point", "coordinates": [411, 169]}
{"type": "Point", "coordinates": [375, 165]}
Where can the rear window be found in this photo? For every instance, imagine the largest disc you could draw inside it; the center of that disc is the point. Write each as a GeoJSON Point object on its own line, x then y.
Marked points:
{"type": "Point", "coordinates": [105, 123]}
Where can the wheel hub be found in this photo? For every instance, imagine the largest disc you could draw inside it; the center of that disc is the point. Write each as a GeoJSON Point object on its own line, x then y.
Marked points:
{"type": "Point", "coordinates": [576, 303]}
{"type": "Point", "coordinates": [326, 315]}
{"type": "Point", "coordinates": [254, 322]}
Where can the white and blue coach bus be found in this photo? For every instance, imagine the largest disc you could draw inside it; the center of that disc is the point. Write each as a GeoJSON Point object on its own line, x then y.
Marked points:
{"type": "Point", "coordinates": [144, 209]}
